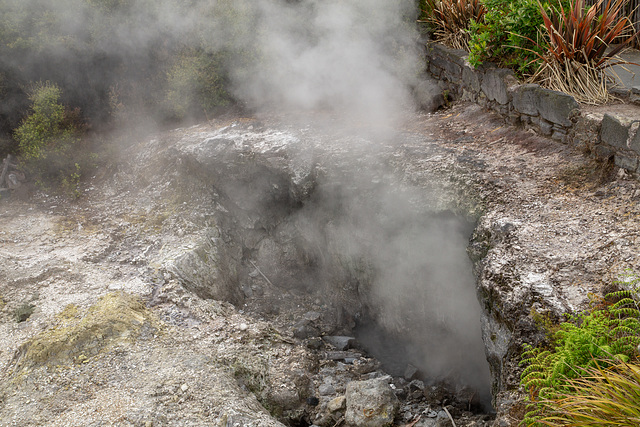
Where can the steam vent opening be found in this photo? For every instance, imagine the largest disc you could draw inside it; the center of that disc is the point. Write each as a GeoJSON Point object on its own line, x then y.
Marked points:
{"type": "Point", "coordinates": [359, 267]}
{"type": "Point", "coordinates": [428, 326]}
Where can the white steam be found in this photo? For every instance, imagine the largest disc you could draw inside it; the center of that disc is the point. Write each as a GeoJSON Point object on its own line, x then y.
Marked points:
{"type": "Point", "coordinates": [355, 57]}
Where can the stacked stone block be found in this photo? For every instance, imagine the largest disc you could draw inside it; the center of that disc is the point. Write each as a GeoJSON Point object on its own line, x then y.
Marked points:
{"type": "Point", "coordinates": [550, 113]}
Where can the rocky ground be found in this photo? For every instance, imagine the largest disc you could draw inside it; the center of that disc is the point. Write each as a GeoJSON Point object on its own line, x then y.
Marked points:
{"type": "Point", "coordinates": [167, 295]}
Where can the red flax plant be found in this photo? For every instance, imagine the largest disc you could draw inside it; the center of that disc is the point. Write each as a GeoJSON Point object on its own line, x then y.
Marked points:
{"type": "Point", "coordinates": [578, 48]}
{"type": "Point", "coordinates": [451, 20]}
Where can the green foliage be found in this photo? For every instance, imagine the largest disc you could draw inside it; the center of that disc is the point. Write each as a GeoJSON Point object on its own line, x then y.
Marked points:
{"type": "Point", "coordinates": [510, 34]}
{"type": "Point", "coordinates": [70, 182]}
{"type": "Point", "coordinates": [44, 127]}
{"type": "Point", "coordinates": [196, 84]}
{"type": "Point", "coordinates": [601, 337]}
{"type": "Point", "coordinates": [47, 140]}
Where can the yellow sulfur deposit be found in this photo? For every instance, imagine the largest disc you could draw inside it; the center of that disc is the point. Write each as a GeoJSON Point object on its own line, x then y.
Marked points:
{"type": "Point", "coordinates": [79, 335]}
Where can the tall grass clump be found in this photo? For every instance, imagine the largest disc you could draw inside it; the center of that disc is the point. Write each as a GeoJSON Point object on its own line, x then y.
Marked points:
{"type": "Point", "coordinates": [588, 348]}
{"type": "Point", "coordinates": [580, 43]}
{"type": "Point", "coordinates": [601, 397]}
{"type": "Point", "coordinates": [451, 20]}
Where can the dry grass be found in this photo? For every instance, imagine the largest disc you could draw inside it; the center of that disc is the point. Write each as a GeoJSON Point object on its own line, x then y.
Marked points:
{"type": "Point", "coordinates": [603, 397]}
{"type": "Point", "coordinates": [451, 19]}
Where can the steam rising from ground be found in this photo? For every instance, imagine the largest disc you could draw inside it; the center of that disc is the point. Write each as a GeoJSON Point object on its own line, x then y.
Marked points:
{"type": "Point", "coordinates": [353, 57]}
{"type": "Point", "coordinates": [411, 267]}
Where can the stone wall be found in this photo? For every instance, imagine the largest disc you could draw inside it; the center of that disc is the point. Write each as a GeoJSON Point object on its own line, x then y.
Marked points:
{"type": "Point", "coordinates": [550, 113]}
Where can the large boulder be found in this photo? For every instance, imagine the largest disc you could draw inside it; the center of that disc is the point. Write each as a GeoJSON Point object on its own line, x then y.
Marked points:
{"type": "Point", "coordinates": [370, 403]}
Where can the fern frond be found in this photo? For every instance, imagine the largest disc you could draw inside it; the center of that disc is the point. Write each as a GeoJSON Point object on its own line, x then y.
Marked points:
{"type": "Point", "coordinates": [626, 312]}
{"type": "Point", "coordinates": [622, 330]}
{"type": "Point", "coordinates": [625, 301]}
{"type": "Point", "coordinates": [620, 294]}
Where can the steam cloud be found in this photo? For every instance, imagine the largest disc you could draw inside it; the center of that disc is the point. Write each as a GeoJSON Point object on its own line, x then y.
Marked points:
{"type": "Point", "coordinates": [351, 56]}
{"type": "Point", "coordinates": [412, 271]}
{"type": "Point", "coordinates": [355, 57]}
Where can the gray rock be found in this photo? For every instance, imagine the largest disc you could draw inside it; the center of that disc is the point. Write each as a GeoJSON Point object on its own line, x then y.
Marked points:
{"type": "Point", "coordinates": [604, 152]}
{"type": "Point", "coordinates": [342, 355]}
{"type": "Point", "coordinates": [428, 94]}
{"type": "Point", "coordinates": [304, 329]}
{"type": "Point", "coordinates": [209, 270]}
{"type": "Point", "coordinates": [315, 343]}
{"type": "Point", "coordinates": [545, 127]}
{"type": "Point", "coordinates": [341, 343]}
{"type": "Point", "coordinates": [370, 403]}
{"type": "Point", "coordinates": [557, 107]}
{"type": "Point", "coordinates": [525, 99]}
{"type": "Point", "coordinates": [337, 404]}
{"type": "Point", "coordinates": [12, 181]}
{"type": "Point", "coordinates": [615, 131]}
{"type": "Point", "coordinates": [471, 78]}
{"type": "Point", "coordinates": [495, 83]}
{"type": "Point", "coordinates": [416, 385]}
{"type": "Point", "coordinates": [410, 372]}
{"type": "Point", "coordinates": [626, 162]}
{"type": "Point", "coordinates": [312, 316]}
{"type": "Point", "coordinates": [449, 60]}
{"type": "Point", "coordinates": [426, 422]}
{"type": "Point", "coordinates": [634, 138]}
{"type": "Point", "coordinates": [326, 389]}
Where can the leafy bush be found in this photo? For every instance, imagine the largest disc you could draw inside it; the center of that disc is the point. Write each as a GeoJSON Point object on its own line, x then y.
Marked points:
{"type": "Point", "coordinates": [604, 336]}
{"type": "Point", "coordinates": [510, 34]}
{"type": "Point", "coordinates": [44, 126]}
{"type": "Point", "coordinates": [196, 84]}
{"type": "Point", "coordinates": [46, 138]}
{"type": "Point", "coordinates": [577, 47]}
{"type": "Point", "coordinates": [451, 20]}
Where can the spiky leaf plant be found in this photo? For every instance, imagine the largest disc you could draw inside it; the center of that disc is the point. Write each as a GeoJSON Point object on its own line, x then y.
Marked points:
{"type": "Point", "coordinates": [581, 43]}
{"type": "Point", "coordinates": [601, 397]}
{"type": "Point", "coordinates": [451, 20]}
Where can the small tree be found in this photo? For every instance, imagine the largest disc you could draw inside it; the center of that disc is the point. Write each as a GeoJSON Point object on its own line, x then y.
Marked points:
{"type": "Point", "coordinates": [44, 128]}
{"type": "Point", "coordinates": [45, 139]}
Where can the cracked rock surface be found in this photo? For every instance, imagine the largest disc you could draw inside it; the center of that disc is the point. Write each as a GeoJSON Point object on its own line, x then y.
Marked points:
{"type": "Point", "coordinates": [224, 295]}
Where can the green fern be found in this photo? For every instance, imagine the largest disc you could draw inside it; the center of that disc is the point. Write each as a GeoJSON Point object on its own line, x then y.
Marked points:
{"type": "Point", "coordinates": [603, 336]}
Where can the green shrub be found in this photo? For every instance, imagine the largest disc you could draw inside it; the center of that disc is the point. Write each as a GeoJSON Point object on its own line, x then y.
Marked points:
{"type": "Point", "coordinates": [510, 34]}
{"type": "Point", "coordinates": [44, 128]}
{"type": "Point", "coordinates": [196, 84]}
{"type": "Point", "coordinates": [601, 337]}
{"type": "Point", "coordinates": [48, 138]}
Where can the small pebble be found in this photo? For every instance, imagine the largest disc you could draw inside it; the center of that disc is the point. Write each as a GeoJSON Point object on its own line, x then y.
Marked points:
{"type": "Point", "coordinates": [243, 326]}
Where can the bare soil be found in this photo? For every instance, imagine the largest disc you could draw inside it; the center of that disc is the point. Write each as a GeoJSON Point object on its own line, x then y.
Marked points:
{"type": "Point", "coordinates": [562, 227]}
